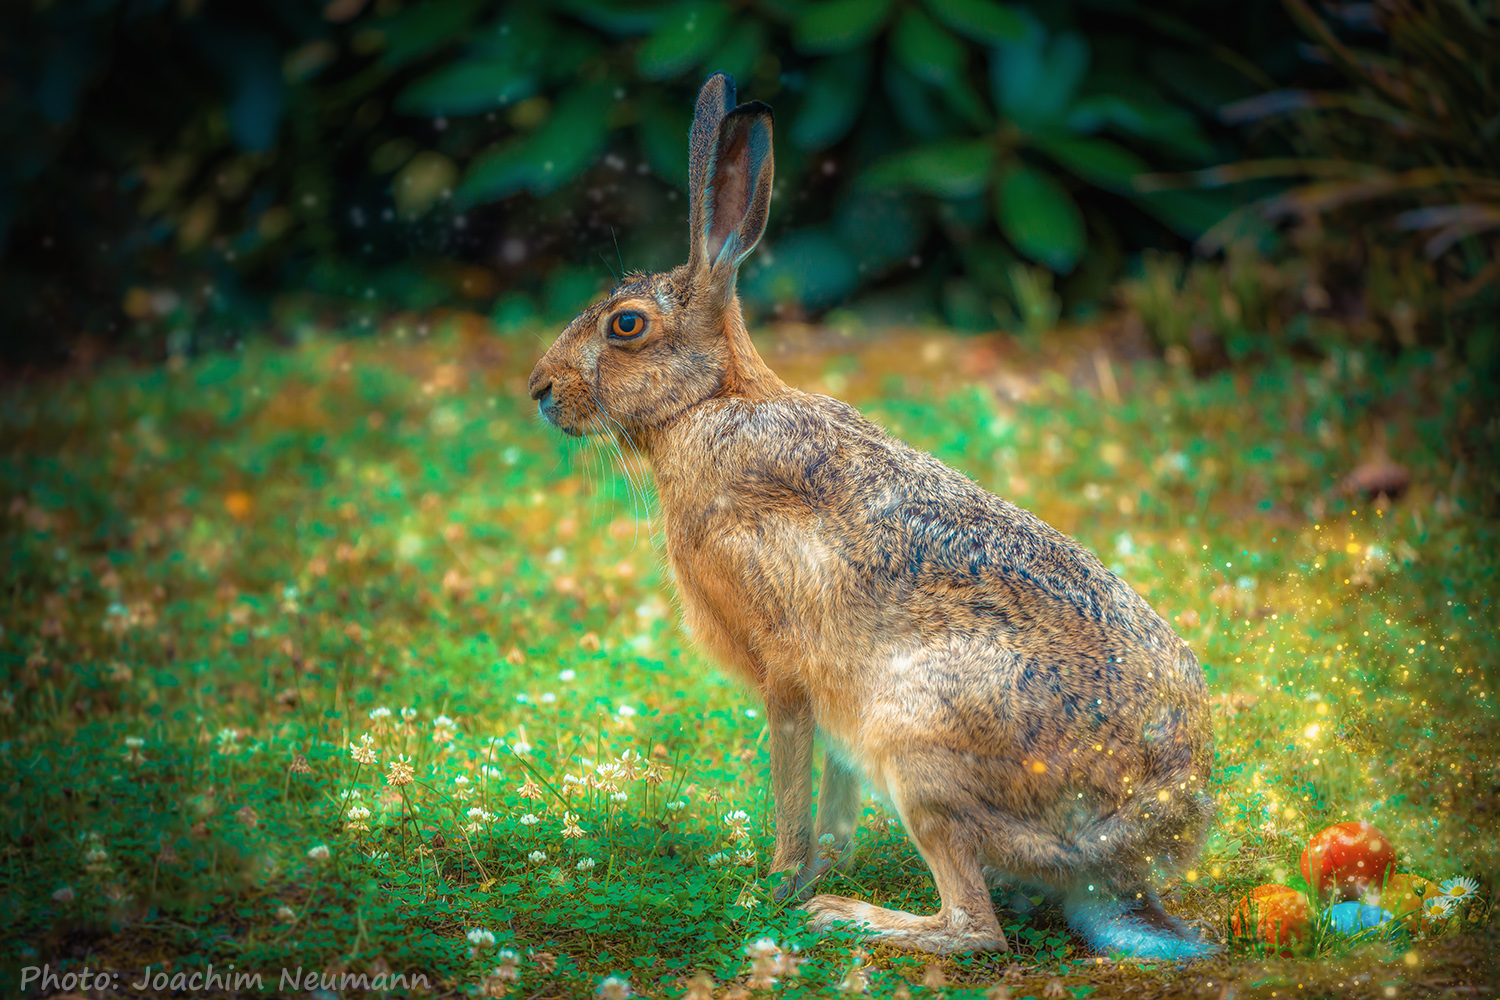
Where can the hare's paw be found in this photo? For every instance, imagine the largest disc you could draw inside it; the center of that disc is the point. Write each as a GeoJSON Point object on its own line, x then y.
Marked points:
{"type": "Point", "coordinates": [945, 933]}
{"type": "Point", "coordinates": [1143, 930]}
{"type": "Point", "coordinates": [828, 910]}
{"type": "Point", "coordinates": [798, 885]}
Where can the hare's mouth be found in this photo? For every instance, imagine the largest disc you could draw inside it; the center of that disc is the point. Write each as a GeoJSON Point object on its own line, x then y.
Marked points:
{"type": "Point", "coordinates": [547, 407]}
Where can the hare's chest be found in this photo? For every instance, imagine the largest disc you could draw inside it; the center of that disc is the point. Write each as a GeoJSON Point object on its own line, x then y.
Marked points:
{"type": "Point", "coordinates": [755, 583]}
{"type": "Point", "coordinates": [713, 608]}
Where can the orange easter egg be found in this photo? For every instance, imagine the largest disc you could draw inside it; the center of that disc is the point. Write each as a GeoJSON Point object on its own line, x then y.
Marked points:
{"type": "Point", "coordinates": [1273, 916]}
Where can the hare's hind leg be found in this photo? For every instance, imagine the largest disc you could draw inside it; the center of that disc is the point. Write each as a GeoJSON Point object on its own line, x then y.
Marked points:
{"type": "Point", "coordinates": [966, 920]}
{"type": "Point", "coordinates": [1131, 922]}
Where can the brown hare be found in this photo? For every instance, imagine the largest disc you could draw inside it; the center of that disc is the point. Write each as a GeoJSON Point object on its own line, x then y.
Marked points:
{"type": "Point", "coordinates": [1033, 723]}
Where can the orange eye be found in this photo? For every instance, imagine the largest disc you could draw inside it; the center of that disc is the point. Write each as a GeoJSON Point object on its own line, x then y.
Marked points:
{"type": "Point", "coordinates": [627, 325]}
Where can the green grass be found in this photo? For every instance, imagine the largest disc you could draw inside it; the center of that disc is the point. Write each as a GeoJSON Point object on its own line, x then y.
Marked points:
{"type": "Point", "coordinates": [237, 561]}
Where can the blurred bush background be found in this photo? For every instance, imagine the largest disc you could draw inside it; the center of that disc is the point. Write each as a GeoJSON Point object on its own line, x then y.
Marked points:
{"type": "Point", "coordinates": [1242, 177]}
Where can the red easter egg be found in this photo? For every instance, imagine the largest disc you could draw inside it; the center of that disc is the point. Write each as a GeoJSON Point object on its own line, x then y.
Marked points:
{"type": "Point", "coordinates": [1348, 859]}
{"type": "Point", "coordinates": [1273, 916]}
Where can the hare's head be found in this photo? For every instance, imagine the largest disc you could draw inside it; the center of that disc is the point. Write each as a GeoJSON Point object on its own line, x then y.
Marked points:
{"type": "Point", "coordinates": [662, 342]}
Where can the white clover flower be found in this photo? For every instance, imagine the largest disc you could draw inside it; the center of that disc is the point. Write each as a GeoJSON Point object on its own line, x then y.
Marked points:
{"type": "Point", "coordinates": [717, 860]}
{"type": "Point", "coordinates": [548, 697]}
{"type": "Point", "coordinates": [227, 739]}
{"type": "Point", "coordinates": [630, 764]}
{"type": "Point", "coordinates": [481, 938]}
{"type": "Point", "coordinates": [567, 675]}
{"type": "Point", "coordinates": [521, 748]}
{"type": "Point", "coordinates": [676, 805]}
{"type": "Point", "coordinates": [134, 742]}
{"type": "Point", "coordinates": [522, 698]}
{"type": "Point", "coordinates": [285, 914]}
{"type": "Point", "coordinates": [319, 853]}
{"type": "Point", "coordinates": [619, 797]}
{"type": "Point", "coordinates": [363, 752]}
{"type": "Point", "coordinates": [408, 714]}
{"type": "Point", "coordinates": [537, 857]}
{"type": "Point", "coordinates": [530, 819]}
{"type": "Point", "coordinates": [614, 988]}
{"type": "Point", "coordinates": [738, 822]}
{"type": "Point", "coordinates": [380, 714]}
{"type": "Point", "coordinates": [65, 894]}
{"type": "Point", "coordinates": [585, 864]}
{"type": "Point", "coordinates": [491, 773]}
{"type": "Point", "coordinates": [745, 858]}
{"type": "Point", "coordinates": [478, 815]}
{"type": "Point", "coordinates": [625, 710]}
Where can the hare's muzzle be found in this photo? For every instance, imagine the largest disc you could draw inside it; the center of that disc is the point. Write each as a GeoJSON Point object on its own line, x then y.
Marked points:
{"type": "Point", "coordinates": [546, 405]}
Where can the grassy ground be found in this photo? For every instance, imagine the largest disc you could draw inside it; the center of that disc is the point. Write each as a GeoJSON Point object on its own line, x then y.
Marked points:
{"type": "Point", "coordinates": [220, 576]}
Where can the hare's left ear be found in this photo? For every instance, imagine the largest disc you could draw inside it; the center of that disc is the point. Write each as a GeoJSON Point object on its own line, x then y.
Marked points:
{"type": "Point", "coordinates": [733, 195]}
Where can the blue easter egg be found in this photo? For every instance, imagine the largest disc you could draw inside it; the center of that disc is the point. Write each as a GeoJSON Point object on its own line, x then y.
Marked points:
{"type": "Point", "coordinates": [1352, 918]}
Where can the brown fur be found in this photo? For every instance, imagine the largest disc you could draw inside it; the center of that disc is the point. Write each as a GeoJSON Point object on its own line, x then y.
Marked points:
{"type": "Point", "coordinates": [1027, 714]}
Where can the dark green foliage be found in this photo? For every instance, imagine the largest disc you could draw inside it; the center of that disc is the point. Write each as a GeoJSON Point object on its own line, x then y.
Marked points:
{"type": "Point", "coordinates": [254, 147]}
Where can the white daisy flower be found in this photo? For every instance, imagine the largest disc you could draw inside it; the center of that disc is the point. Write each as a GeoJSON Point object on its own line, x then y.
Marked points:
{"type": "Point", "coordinates": [1436, 910]}
{"type": "Point", "coordinates": [1460, 890]}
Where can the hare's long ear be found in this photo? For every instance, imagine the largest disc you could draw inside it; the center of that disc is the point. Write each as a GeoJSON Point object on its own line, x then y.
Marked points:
{"type": "Point", "coordinates": [715, 100]}
{"type": "Point", "coordinates": [739, 190]}
{"type": "Point", "coordinates": [734, 197]}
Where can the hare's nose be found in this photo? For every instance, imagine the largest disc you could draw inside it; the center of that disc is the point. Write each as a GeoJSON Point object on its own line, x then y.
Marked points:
{"type": "Point", "coordinates": [541, 390]}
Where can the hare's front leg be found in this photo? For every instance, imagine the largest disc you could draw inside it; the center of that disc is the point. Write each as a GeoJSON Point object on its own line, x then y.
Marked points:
{"type": "Point", "coordinates": [791, 725]}
{"type": "Point", "coordinates": [966, 920]}
{"type": "Point", "coordinates": [838, 813]}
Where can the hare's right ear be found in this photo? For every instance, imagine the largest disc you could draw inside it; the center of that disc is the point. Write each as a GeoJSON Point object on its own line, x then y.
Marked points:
{"type": "Point", "coordinates": [730, 169]}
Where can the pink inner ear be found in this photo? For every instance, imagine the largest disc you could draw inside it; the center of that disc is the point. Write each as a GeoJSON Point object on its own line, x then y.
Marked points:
{"type": "Point", "coordinates": [731, 189]}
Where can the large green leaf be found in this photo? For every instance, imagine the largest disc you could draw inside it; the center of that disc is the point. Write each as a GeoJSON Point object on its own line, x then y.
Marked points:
{"type": "Point", "coordinates": [1153, 120]}
{"type": "Point", "coordinates": [1189, 214]}
{"type": "Point", "coordinates": [958, 168]}
{"type": "Point", "coordinates": [417, 30]}
{"type": "Point", "coordinates": [740, 51]}
{"type": "Point", "coordinates": [809, 267]}
{"type": "Point", "coordinates": [466, 88]}
{"type": "Point", "coordinates": [927, 51]}
{"type": "Point", "coordinates": [831, 101]}
{"type": "Point", "coordinates": [1034, 79]}
{"type": "Point", "coordinates": [1039, 218]}
{"type": "Point", "coordinates": [554, 154]}
{"type": "Point", "coordinates": [839, 25]}
{"type": "Point", "coordinates": [882, 229]}
{"type": "Point", "coordinates": [682, 39]}
{"type": "Point", "coordinates": [615, 18]}
{"type": "Point", "coordinates": [663, 133]}
{"type": "Point", "coordinates": [1098, 161]}
{"type": "Point", "coordinates": [985, 21]}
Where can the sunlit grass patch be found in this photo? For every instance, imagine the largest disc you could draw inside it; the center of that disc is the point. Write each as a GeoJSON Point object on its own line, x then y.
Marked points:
{"type": "Point", "coordinates": [354, 597]}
